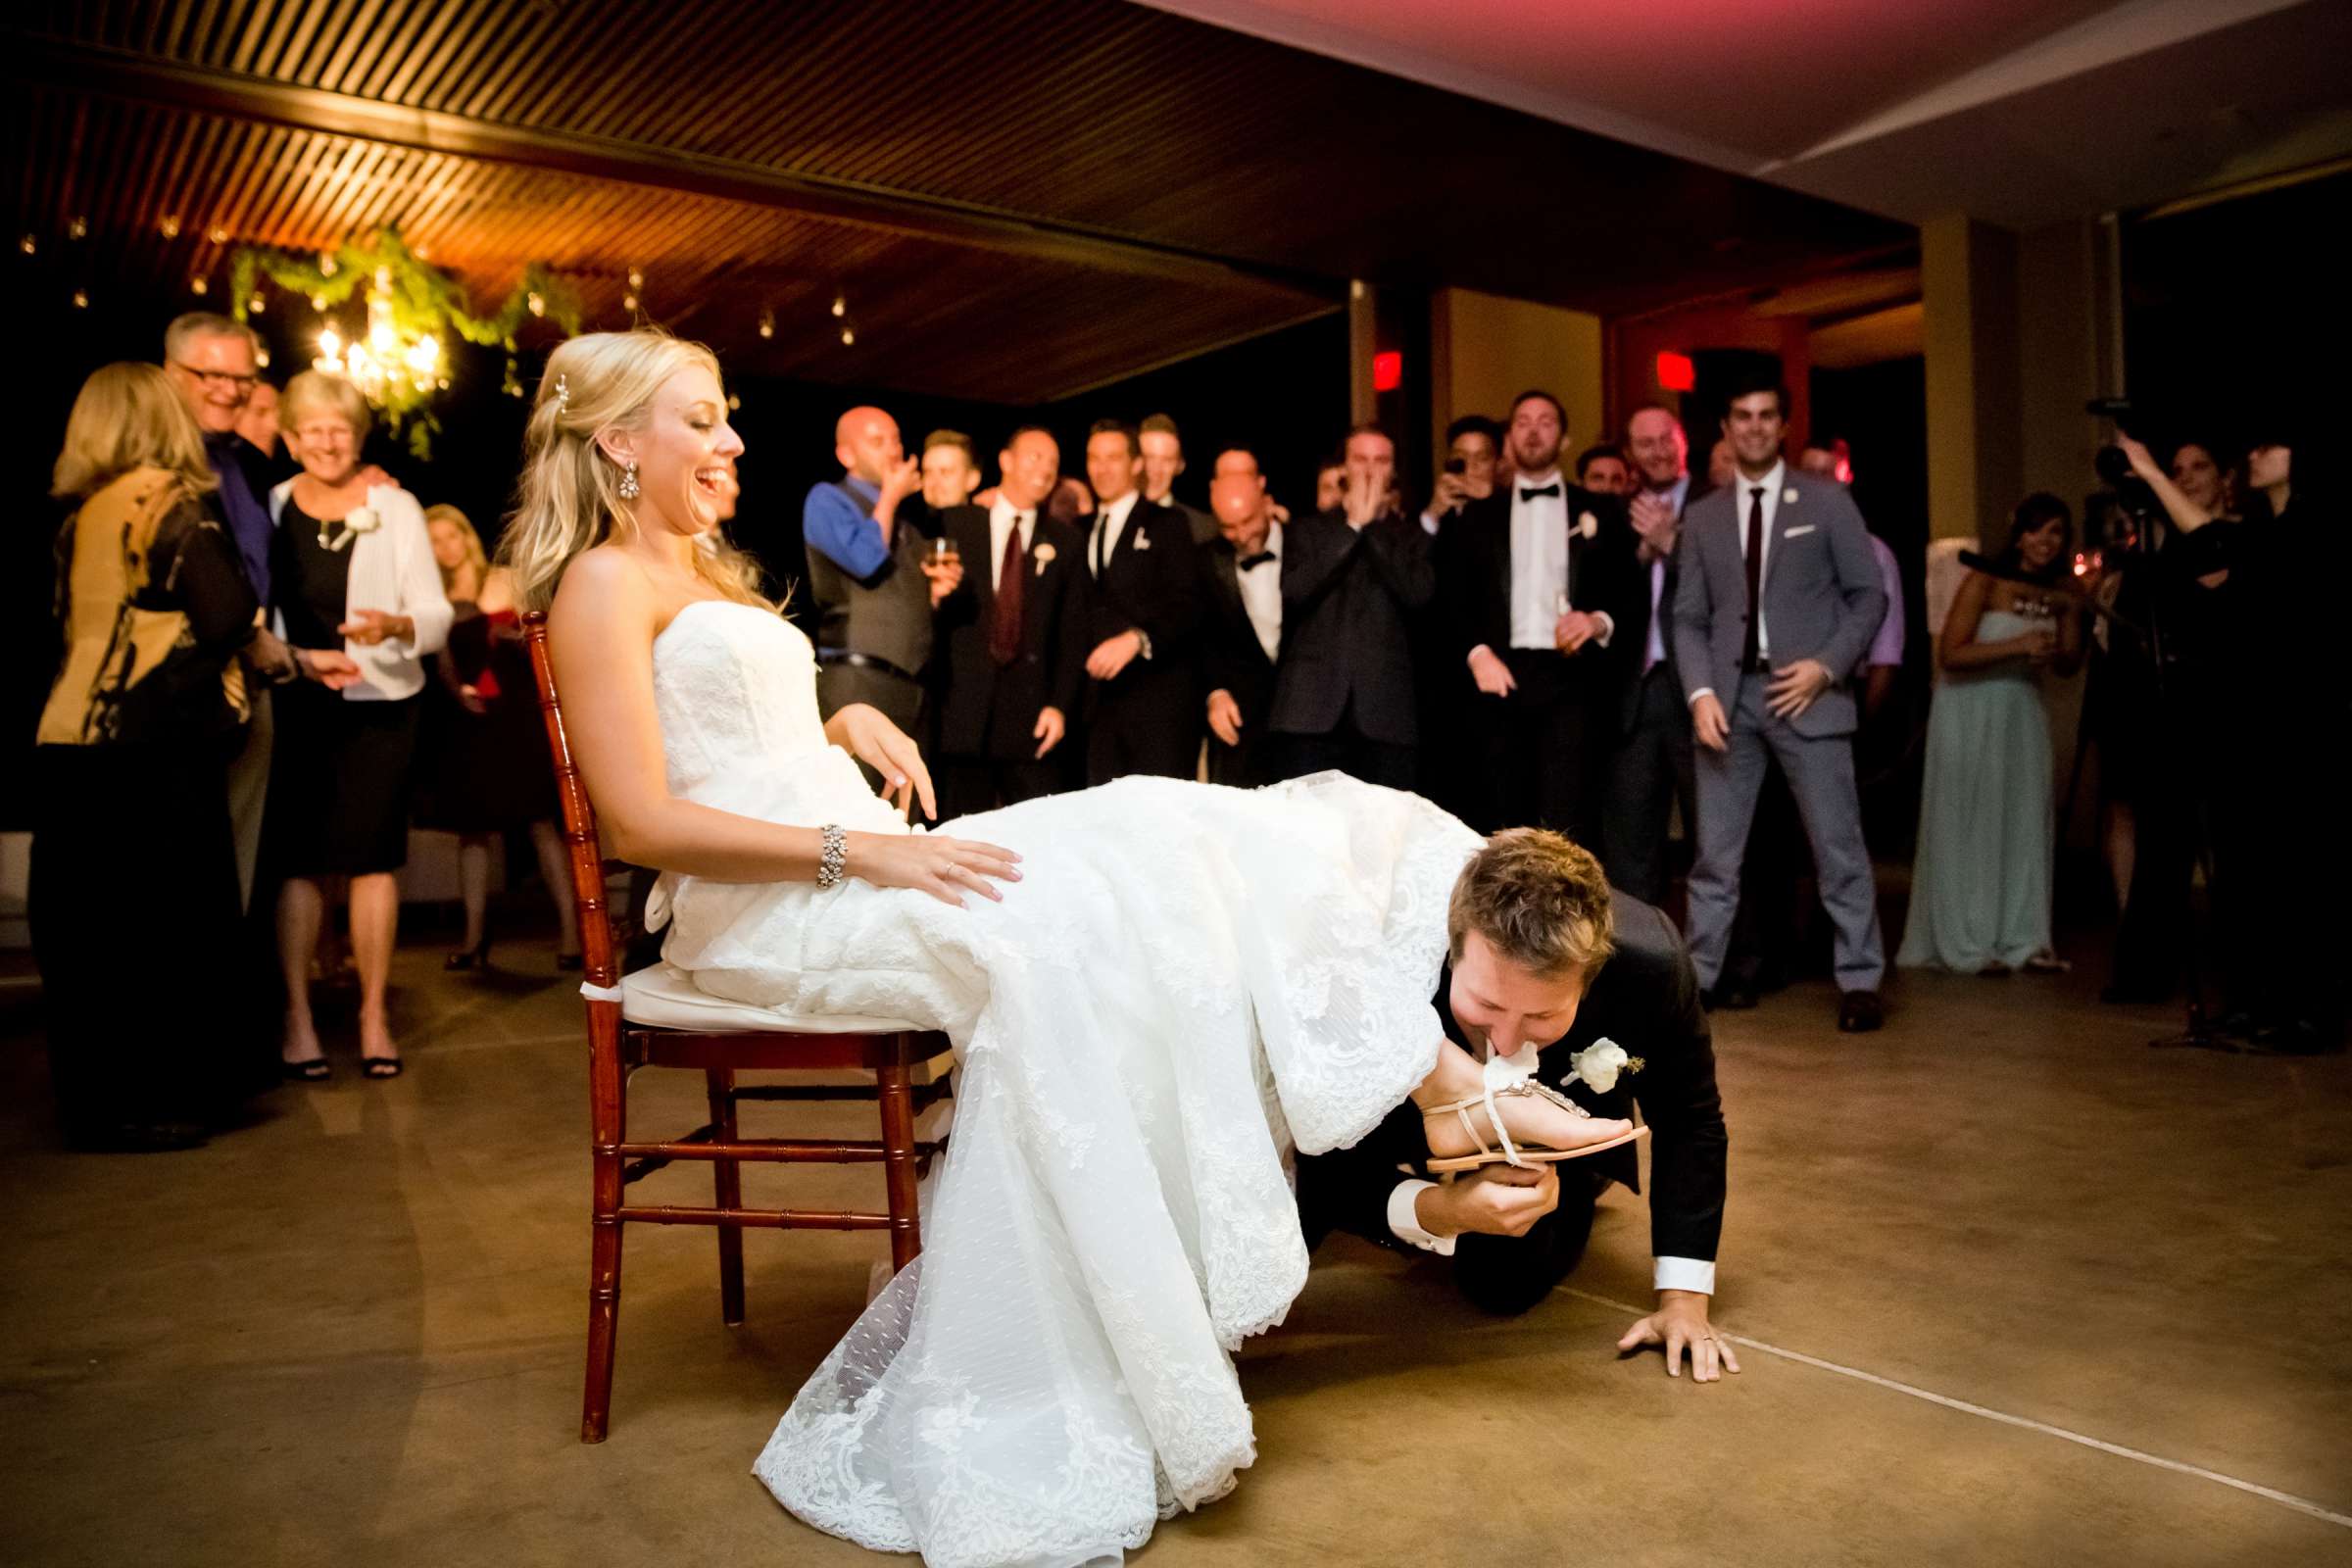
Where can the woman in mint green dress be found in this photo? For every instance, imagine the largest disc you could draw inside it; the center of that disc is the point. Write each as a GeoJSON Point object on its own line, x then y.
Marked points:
{"type": "Point", "coordinates": [1981, 886]}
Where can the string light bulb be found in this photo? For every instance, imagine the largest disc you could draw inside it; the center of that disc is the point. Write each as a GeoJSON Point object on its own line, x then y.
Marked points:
{"type": "Point", "coordinates": [261, 356]}
{"type": "Point", "coordinates": [848, 335]}
{"type": "Point", "coordinates": [256, 305]}
{"type": "Point", "coordinates": [767, 324]}
{"type": "Point", "coordinates": [628, 302]}
{"type": "Point", "coordinates": [537, 303]}
{"type": "Point", "coordinates": [81, 299]}
{"type": "Point", "coordinates": [170, 227]}
{"type": "Point", "coordinates": [79, 228]}
{"type": "Point", "coordinates": [841, 304]}
{"type": "Point", "coordinates": [219, 235]}
{"type": "Point", "coordinates": [28, 244]}
{"type": "Point", "coordinates": [326, 263]}
{"type": "Point", "coordinates": [318, 303]}
{"type": "Point", "coordinates": [636, 280]}
{"type": "Point", "coordinates": [733, 402]}
{"type": "Point", "coordinates": [197, 285]}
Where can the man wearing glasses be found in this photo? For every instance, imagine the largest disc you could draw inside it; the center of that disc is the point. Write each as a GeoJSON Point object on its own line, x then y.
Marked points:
{"type": "Point", "coordinates": [212, 359]}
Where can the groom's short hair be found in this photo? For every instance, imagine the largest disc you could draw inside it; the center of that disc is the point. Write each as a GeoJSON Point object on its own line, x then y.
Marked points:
{"type": "Point", "coordinates": [1537, 899]}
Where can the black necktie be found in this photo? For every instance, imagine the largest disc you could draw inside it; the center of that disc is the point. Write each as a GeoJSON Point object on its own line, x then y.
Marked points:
{"type": "Point", "coordinates": [1253, 563]}
{"type": "Point", "coordinates": [1551, 489]}
{"type": "Point", "coordinates": [1755, 569]}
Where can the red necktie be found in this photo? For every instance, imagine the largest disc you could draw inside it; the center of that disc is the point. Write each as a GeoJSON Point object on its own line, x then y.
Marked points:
{"type": "Point", "coordinates": [1004, 629]}
{"type": "Point", "coordinates": [1755, 569]}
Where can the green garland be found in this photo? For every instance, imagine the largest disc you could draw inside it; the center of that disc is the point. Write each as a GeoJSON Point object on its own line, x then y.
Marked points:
{"type": "Point", "coordinates": [422, 300]}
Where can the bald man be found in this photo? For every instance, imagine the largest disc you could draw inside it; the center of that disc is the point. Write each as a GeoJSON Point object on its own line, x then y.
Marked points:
{"type": "Point", "coordinates": [866, 574]}
{"type": "Point", "coordinates": [1241, 574]}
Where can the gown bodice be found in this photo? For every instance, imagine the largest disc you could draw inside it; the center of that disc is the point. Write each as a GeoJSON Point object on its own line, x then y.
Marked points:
{"type": "Point", "coordinates": [735, 690]}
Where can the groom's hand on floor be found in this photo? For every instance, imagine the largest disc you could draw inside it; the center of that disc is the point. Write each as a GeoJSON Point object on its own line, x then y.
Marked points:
{"type": "Point", "coordinates": [1681, 1323]}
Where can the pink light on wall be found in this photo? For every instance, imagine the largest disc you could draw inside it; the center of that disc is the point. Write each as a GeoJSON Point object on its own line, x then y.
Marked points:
{"type": "Point", "coordinates": [1676, 373]}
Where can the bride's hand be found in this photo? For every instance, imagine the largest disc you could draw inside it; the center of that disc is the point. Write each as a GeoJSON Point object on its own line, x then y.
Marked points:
{"type": "Point", "coordinates": [884, 746]}
{"type": "Point", "coordinates": [946, 869]}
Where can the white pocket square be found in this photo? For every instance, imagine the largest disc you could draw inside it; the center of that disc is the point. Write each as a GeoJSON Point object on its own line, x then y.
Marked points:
{"type": "Point", "coordinates": [1801, 528]}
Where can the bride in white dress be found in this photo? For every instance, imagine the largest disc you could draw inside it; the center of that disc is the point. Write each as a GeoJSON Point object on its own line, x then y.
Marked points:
{"type": "Point", "coordinates": [1157, 990]}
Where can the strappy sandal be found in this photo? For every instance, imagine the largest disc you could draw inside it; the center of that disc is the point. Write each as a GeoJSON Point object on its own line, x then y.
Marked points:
{"type": "Point", "coordinates": [1512, 1154]}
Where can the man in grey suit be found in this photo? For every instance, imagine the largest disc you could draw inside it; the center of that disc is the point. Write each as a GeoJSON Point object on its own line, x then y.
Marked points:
{"type": "Point", "coordinates": [1777, 596]}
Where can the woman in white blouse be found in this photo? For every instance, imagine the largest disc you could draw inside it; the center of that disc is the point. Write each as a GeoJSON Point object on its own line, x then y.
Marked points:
{"type": "Point", "coordinates": [352, 576]}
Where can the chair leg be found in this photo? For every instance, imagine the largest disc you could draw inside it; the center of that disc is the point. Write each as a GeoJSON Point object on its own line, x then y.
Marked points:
{"type": "Point", "coordinates": [896, 1096]}
{"type": "Point", "coordinates": [608, 1114]}
{"type": "Point", "coordinates": [727, 1180]}
{"type": "Point", "coordinates": [604, 1320]}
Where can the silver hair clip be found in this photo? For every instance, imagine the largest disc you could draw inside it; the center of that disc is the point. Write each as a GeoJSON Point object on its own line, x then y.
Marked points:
{"type": "Point", "coordinates": [562, 392]}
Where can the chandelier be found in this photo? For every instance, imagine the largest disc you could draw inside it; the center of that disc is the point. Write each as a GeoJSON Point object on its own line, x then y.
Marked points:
{"type": "Point", "coordinates": [392, 367]}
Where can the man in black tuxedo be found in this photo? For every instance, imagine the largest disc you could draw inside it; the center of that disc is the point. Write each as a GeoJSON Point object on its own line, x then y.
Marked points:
{"type": "Point", "coordinates": [1653, 768]}
{"type": "Point", "coordinates": [1545, 956]}
{"type": "Point", "coordinates": [1163, 461]}
{"type": "Point", "coordinates": [1014, 646]}
{"type": "Point", "coordinates": [1539, 575]}
{"type": "Point", "coordinates": [1142, 616]}
{"type": "Point", "coordinates": [1353, 581]}
{"type": "Point", "coordinates": [1242, 641]}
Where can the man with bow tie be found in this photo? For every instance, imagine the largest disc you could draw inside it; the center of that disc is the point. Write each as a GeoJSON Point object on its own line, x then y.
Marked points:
{"type": "Point", "coordinates": [1143, 613]}
{"type": "Point", "coordinates": [1014, 643]}
{"type": "Point", "coordinates": [1242, 643]}
{"type": "Point", "coordinates": [1539, 575]}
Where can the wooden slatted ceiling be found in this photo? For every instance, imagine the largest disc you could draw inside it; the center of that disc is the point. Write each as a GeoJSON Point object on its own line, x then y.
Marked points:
{"type": "Point", "coordinates": [1091, 112]}
{"type": "Point", "coordinates": [710, 265]}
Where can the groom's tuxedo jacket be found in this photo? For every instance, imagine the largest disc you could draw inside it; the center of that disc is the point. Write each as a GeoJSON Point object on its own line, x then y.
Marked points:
{"type": "Point", "coordinates": [1645, 998]}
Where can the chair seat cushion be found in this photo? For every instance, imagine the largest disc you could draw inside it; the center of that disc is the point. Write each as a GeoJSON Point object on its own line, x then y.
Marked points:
{"type": "Point", "coordinates": [665, 997]}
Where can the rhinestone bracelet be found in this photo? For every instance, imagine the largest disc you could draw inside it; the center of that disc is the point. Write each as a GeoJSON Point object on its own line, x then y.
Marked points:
{"type": "Point", "coordinates": [835, 854]}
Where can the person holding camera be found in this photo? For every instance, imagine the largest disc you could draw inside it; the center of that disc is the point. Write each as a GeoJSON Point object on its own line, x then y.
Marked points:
{"type": "Point", "coordinates": [1472, 445]}
{"type": "Point", "coordinates": [2228, 607]}
{"type": "Point", "coordinates": [1981, 886]}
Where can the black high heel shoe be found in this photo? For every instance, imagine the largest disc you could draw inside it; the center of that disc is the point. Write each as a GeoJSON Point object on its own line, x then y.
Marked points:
{"type": "Point", "coordinates": [315, 1071]}
{"type": "Point", "coordinates": [476, 956]}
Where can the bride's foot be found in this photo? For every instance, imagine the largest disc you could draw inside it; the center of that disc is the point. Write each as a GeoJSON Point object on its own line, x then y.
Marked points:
{"type": "Point", "coordinates": [1544, 1125]}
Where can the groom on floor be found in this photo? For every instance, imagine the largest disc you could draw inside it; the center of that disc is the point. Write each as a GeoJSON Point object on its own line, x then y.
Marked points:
{"type": "Point", "coordinates": [1544, 955]}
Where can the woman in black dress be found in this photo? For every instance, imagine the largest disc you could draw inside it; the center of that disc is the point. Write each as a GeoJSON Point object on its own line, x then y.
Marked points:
{"type": "Point", "coordinates": [487, 772]}
{"type": "Point", "coordinates": [353, 572]}
{"type": "Point", "coordinates": [133, 896]}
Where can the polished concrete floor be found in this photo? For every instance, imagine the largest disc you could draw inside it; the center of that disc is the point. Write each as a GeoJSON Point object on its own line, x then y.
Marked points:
{"type": "Point", "coordinates": [351, 1333]}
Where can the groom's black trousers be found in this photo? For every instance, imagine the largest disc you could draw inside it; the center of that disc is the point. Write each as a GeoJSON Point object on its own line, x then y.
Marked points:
{"type": "Point", "coordinates": [1508, 1274]}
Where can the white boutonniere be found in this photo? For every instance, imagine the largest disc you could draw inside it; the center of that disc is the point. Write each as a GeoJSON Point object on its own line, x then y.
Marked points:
{"type": "Point", "coordinates": [1143, 541]}
{"type": "Point", "coordinates": [1587, 526]}
{"type": "Point", "coordinates": [357, 520]}
{"type": "Point", "coordinates": [1041, 554]}
{"type": "Point", "coordinates": [1789, 496]}
{"type": "Point", "coordinates": [1599, 1063]}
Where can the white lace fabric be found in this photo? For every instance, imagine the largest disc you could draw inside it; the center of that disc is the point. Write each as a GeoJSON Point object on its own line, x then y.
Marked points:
{"type": "Point", "coordinates": [1187, 982]}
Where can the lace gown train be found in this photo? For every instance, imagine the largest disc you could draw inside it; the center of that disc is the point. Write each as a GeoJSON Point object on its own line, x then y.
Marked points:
{"type": "Point", "coordinates": [1189, 983]}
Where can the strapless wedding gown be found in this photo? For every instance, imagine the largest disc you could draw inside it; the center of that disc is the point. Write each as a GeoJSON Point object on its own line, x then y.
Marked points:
{"type": "Point", "coordinates": [1189, 983]}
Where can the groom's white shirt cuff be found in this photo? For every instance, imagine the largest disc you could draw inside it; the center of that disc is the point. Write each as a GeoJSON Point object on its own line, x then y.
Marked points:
{"type": "Point", "coordinates": [1668, 1274]}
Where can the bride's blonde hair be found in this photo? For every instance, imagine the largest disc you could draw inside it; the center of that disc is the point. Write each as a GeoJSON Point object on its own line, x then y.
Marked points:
{"type": "Point", "coordinates": [570, 498]}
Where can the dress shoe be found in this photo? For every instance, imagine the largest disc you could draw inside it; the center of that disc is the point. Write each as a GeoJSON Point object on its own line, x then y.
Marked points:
{"type": "Point", "coordinates": [1731, 996]}
{"type": "Point", "coordinates": [1860, 1011]}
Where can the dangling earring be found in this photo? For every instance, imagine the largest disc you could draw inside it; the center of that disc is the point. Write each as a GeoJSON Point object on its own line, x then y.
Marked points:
{"type": "Point", "coordinates": [628, 480]}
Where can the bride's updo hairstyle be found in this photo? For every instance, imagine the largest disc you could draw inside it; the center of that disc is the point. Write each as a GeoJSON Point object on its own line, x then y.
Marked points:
{"type": "Point", "coordinates": [571, 497]}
